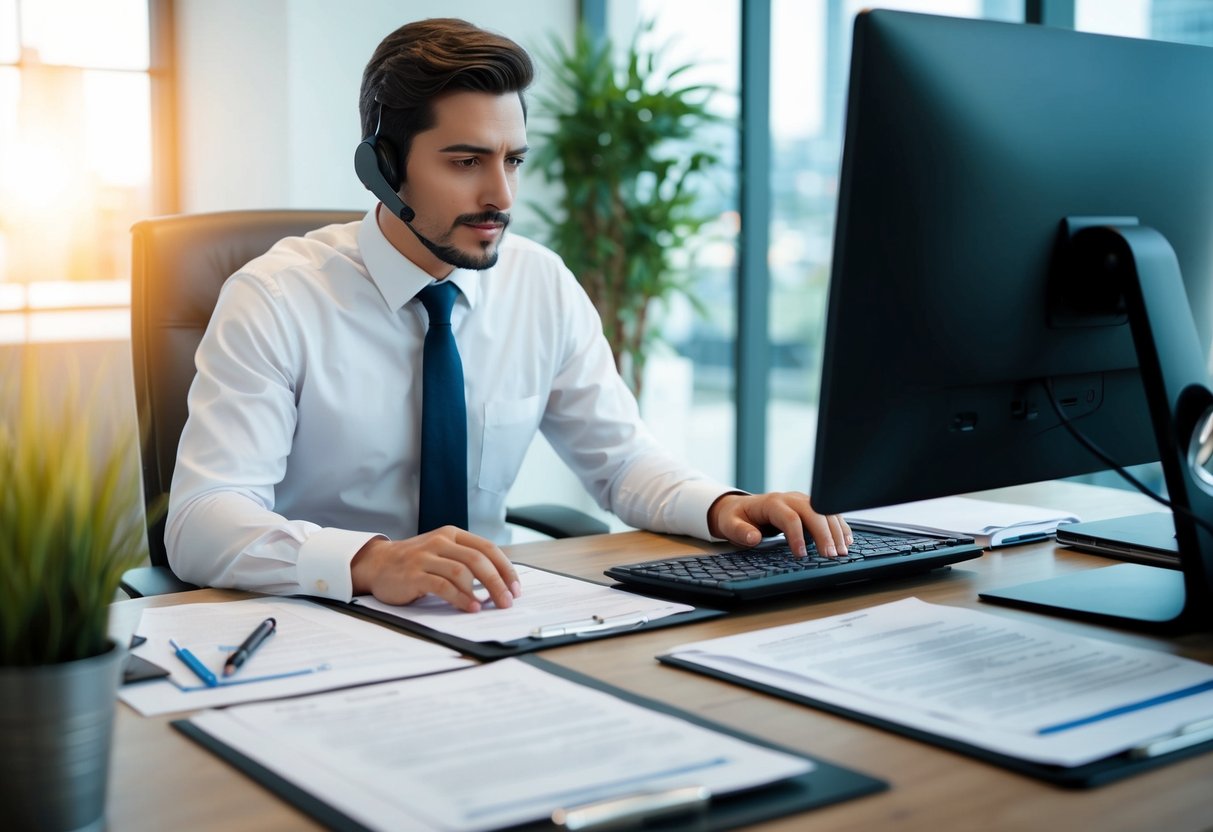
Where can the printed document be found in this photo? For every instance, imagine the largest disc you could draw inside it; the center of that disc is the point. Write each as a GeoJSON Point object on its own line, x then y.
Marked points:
{"type": "Point", "coordinates": [483, 748]}
{"type": "Point", "coordinates": [990, 523]}
{"type": "Point", "coordinates": [1013, 687]}
{"type": "Point", "coordinates": [552, 603]}
{"type": "Point", "coordinates": [313, 648]}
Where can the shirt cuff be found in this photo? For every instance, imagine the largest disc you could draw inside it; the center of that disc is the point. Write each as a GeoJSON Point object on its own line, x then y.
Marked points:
{"type": "Point", "coordinates": [323, 568]}
{"type": "Point", "coordinates": [694, 500]}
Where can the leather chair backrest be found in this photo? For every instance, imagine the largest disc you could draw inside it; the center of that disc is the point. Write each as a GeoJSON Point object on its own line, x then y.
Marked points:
{"type": "Point", "coordinates": [179, 264]}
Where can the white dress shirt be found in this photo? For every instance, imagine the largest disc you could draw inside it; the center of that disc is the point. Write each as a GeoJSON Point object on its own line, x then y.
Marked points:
{"type": "Point", "coordinates": [303, 435]}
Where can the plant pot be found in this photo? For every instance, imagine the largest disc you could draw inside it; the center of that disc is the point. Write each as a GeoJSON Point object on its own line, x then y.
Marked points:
{"type": "Point", "coordinates": [56, 728]}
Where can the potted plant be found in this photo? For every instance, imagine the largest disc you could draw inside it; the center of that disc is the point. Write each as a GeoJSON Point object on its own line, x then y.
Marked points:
{"type": "Point", "coordinates": [620, 146]}
{"type": "Point", "coordinates": [70, 524]}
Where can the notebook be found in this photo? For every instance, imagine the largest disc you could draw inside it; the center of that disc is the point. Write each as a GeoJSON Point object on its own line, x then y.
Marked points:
{"type": "Point", "coordinates": [1137, 538]}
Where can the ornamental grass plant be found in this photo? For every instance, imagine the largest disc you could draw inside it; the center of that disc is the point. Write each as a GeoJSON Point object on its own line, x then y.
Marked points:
{"type": "Point", "coordinates": [71, 521]}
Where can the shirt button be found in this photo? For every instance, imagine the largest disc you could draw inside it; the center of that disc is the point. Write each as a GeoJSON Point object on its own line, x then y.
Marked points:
{"type": "Point", "coordinates": [322, 585]}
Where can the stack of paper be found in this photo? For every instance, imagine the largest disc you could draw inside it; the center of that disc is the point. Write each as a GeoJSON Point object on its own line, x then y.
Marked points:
{"type": "Point", "coordinates": [1000, 684]}
{"type": "Point", "coordinates": [313, 649]}
{"type": "Point", "coordinates": [989, 523]}
{"type": "Point", "coordinates": [484, 748]}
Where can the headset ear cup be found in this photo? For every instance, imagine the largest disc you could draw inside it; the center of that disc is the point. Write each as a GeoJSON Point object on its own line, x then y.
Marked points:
{"type": "Point", "coordinates": [385, 156]}
{"type": "Point", "coordinates": [376, 169]}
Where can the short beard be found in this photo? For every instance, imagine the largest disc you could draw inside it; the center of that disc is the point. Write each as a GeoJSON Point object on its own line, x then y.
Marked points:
{"type": "Point", "coordinates": [458, 258]}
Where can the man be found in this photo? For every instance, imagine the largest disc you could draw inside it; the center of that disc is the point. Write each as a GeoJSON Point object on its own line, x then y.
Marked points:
{"type": "Point", "coordinates": [303, 466]}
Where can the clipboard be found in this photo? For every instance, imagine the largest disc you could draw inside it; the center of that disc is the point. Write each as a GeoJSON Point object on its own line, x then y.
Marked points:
{"type": "Point", "coordinates": [1090, 775]}
{"type": "Point", "coordinates": [492, 650]}
{"type": "Point", "coordinates": [824, 785]}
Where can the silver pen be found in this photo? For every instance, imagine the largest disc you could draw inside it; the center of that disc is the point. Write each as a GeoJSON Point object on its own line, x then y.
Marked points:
{"type": "Point", "coordinates": [1185, 736]}
{"type": "Point", "coordinates": [594, 624]}
{"type": "Point", "coordinates": [632, 810]}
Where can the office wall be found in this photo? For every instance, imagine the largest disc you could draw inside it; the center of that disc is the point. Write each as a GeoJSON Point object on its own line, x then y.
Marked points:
{"type": "Point", "coordinates": [231, 72]}
{"type": "Point", "coordinates": [268, 91]}
{"type": "Point", "coordinates": [268, 118]}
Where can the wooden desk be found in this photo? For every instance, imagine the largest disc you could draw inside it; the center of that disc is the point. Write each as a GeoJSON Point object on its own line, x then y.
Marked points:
{"type": "Point", "coordinates": [160, 780]}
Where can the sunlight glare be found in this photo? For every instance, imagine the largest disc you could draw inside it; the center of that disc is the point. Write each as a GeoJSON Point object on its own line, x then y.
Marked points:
{"type": "Point", "coordinates": [9, 48]}
{"type": "Point", "coordinates": [117, 128]}
{"type": "Point", "coordinates": [110, 34]}
{"type": "Point", "coordinates": [41, 203]}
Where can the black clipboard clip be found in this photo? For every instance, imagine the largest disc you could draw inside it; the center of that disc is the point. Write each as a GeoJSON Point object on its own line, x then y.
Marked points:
{"type": "Point", "coordinates": [593, 624]}
{"type": "Point", "coordinates": [633, 809]}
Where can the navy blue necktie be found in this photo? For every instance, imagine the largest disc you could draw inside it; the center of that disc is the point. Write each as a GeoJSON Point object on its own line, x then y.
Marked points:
{"type": "Point", "coordinates": [443, 499]}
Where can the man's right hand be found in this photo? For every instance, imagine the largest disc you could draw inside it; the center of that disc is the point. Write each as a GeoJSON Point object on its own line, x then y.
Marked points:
{"type": "Point", "coordinates": [446, 562]}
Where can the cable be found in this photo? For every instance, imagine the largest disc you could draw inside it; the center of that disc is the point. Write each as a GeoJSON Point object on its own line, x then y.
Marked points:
{"type": "Point", "coordinates": [1114, 465]}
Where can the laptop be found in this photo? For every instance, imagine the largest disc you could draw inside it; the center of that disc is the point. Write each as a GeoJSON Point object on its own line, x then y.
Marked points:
{"type": "Point", "coordinates": [1138, 538]}
{"type": "Point", "coordinates": [770, 569]}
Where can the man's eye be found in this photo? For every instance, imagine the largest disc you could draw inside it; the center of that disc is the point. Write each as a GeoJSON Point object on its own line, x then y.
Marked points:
{"type": "Point", "coordinates": [516, 161]}
{"type": "Point", "coordinates": [466, 163]}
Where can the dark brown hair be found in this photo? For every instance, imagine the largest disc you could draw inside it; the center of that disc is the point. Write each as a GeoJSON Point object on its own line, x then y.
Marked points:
{"type": "Point", "coordinates": [423, 60]}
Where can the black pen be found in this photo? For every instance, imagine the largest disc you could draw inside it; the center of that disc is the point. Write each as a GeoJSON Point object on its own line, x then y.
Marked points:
{"type": "Point", "coordinates": [264, 630]}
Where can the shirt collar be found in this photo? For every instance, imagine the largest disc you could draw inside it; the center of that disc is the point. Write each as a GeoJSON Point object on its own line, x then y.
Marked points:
{"type": "Point", "coordinates": [398, 278]}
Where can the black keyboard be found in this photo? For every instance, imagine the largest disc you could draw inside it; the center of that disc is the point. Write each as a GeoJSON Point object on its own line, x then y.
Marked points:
{"type": "Point", "coordinates": [771, 568]}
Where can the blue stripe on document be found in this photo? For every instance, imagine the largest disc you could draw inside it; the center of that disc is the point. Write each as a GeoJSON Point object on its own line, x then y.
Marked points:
{"type": "Point", "coordinates": [1125, 709]}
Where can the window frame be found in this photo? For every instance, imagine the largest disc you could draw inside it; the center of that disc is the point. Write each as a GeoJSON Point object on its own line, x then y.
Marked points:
{"type": "Point", "coordinates": [26, 314]}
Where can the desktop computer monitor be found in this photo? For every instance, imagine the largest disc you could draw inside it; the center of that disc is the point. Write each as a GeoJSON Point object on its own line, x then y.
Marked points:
{"type": "Point", "coordinates": [951, 309]}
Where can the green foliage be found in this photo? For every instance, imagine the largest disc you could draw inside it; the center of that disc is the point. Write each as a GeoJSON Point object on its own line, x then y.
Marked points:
{"type": "Point", "coordinates": [622, 148]}
{"type": "Point", "coordinates": [70, 525]}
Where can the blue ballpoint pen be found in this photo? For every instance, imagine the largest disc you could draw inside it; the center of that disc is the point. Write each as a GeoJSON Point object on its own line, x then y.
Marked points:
{"type": "Point", "coordinates": [191, 661]}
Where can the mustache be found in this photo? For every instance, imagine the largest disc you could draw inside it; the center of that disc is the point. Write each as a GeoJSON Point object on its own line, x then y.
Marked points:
{"type": "Point", "coordinates": [498, 217]}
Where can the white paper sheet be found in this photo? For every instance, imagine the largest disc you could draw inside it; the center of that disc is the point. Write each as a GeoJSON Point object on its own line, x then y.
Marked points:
{"type": "Point", "coordinates": [314, 648]}
{"type": "Point", "coordinates": [994, 682]}
{"type": "Point", "coordinates": [990, 523]}
{"type": "Point", "coordinates": [548, 601]}
{"type": "Point", "coordinates": [484, 748]}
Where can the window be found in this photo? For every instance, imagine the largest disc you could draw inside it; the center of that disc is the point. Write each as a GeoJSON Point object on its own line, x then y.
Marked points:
{"type": "Point", "coordinates": [75, 163]}
{"type": "Point", "coordinates": [1183, 21]}
{"type": "Point", "coordinates": [692, 390]}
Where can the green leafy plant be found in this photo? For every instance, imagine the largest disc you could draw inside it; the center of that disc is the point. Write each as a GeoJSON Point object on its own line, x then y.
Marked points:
{"type": "Point", "coordinates": [70, 525]}
{"type": "Point", "coordinates": [622, 149]}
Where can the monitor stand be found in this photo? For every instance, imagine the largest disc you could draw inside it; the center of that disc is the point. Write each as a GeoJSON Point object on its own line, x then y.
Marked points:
{"type": "Point", "coordinates": [1146, 272]}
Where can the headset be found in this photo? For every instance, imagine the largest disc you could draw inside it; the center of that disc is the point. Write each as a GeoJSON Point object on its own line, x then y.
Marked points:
{"type": "Point", "coordinates": [375, 163]}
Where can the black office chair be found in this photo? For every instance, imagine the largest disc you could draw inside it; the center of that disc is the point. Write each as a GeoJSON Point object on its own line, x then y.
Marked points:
{"type": "Point", "coordinates": [179, 264]}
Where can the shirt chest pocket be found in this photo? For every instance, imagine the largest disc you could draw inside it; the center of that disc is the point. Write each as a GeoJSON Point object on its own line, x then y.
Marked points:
{"type": "Point", "coordinates": [509, 427]}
